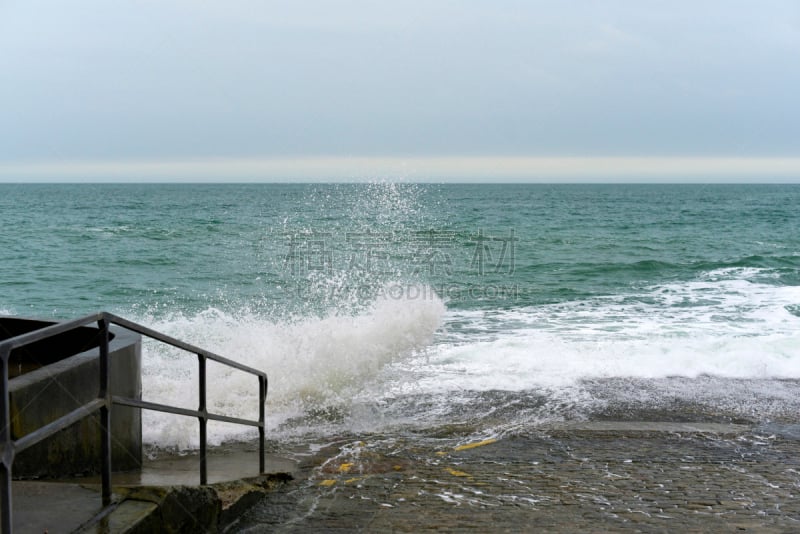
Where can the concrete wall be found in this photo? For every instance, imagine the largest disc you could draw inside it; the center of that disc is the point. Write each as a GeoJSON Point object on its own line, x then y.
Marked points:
{"type": "Point", "coordinates": [42, 395]}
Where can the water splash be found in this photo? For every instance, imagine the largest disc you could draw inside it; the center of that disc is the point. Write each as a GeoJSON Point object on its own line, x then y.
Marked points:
{"type": "Point", "coordinates": [312, 363]}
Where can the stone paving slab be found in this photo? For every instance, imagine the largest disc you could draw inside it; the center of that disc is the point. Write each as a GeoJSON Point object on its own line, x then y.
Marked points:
{"type": "Point", "coordinates": [52, 507]}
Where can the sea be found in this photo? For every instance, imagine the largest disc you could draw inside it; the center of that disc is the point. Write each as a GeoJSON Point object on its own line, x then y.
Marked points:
{"type": "Point", "coordinates": [466, 310]}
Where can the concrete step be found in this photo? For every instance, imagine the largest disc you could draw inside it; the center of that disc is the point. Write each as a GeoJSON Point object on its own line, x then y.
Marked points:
{"type": "Point", "coordinates": [166, 490]}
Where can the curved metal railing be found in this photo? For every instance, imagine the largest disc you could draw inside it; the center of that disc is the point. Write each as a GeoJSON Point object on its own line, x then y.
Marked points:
{"type": "Point", "coordinates": [9, 447]}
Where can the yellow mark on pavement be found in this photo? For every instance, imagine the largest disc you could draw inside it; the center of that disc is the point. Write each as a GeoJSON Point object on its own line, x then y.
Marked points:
{"type": "Point", "coordinates": [345, 468]}
{"type": "Point", "coordinates": [441, 453]}
{"type": "Point", "coordinates": [473, 445]}
{"type": "Point", "coordinates": [457, 473]}
{"type": "Point", "coordinates": [329, 482]}
{"type": "Point", "coordinates": [351, 480]}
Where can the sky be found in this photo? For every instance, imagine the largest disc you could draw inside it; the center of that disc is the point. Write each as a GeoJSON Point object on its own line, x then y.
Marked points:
{"type": "Point", "coordinates": [526, 90]}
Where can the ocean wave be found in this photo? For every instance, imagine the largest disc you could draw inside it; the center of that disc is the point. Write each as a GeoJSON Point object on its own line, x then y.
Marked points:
{"type": "Point", "coordinates": [720, 324]}
{"type": "Point", "coordinates": [311, 362]}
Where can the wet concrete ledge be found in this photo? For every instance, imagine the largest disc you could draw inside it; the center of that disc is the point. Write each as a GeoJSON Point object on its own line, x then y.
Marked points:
{"type": "Point", "coordinates": [55, 507]}
{"type": "Point", "coordinates": [212, 508]}
{"type": "Point", "coordinates": [165, 496]}
{"type": "Point", "coordinates": [594, 475]}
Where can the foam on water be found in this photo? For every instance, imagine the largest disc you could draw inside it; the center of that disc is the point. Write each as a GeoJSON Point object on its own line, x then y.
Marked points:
{"type": "Point", "coordinates": [718, 325]}
{"type": "Point", "coordinates": [312, 362]}
{"type": "Point", "coordinates": [726, 327]}
{"type": "Point", "coordinates": [662, 342]}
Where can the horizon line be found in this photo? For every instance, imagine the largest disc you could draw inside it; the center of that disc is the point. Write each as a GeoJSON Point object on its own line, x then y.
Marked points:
{"type": "Point", "coordinates": [468, 169]}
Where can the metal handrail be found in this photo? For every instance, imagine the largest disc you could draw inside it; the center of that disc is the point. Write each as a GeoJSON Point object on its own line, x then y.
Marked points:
{"type": "Point", "coordinates": [104, 400]}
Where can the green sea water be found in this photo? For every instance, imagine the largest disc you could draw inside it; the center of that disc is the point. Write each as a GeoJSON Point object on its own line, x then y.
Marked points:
{"type": "Point", "coordinates": [392, 303]}
{"type": "Point", "coordinates": [70, 249]}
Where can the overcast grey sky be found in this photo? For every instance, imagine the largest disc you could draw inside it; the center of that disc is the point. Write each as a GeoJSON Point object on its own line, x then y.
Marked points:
{"type": "Point", "coordinates": [119, 83]}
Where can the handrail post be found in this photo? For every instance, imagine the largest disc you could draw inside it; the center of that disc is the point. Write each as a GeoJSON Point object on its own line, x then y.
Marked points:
{"type": "Point", "coordinates": [262, 397]}
{"type": "Point", "coordinates": [105, 400]}
{"type": "Point", "coordinates": [105, 412]}
{"type": "Point", "coordinates": [6, 444]}
{"type": "Point", "coordinates": [203, 419]}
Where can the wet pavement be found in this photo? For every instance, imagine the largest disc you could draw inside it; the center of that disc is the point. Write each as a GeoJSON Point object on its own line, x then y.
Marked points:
{"type": "Point", "coordinates": [69, 505]}
{"type": "Point", "coordinates": [592, 476]}
{"type": "Point", "coordinates": [589, 477]}
{"type": "Point", "coordinates": [52, 507]}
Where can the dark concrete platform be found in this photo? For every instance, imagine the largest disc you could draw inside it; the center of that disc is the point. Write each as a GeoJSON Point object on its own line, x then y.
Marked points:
{"type": "Point", "coordinates": [75, 505]}
{"type": "Point", "coordinates": [52, 507]}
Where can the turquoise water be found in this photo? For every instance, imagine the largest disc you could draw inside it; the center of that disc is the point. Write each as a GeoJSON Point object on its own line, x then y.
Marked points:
{"type": "Point", "coordinates": [71, 249]}
{"type": "Point", "coordinates": [395, 304]}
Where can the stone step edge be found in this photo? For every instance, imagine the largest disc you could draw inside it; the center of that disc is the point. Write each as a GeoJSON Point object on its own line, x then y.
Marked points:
{"type": "Point", "coordinates": [179, 508]}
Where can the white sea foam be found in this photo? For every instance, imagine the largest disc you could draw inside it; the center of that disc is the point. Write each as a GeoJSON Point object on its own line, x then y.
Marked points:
{"type": "Point", "coordinates": [729, 328]}
{"type": "Point", "coordinates": [550, 360]}
{"type": "Point", "coordinates": [311, 362]}
{"type": "Point", "coordinates": [697, 342]}
{"type": "Point", "coordinates": [720, 326]}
